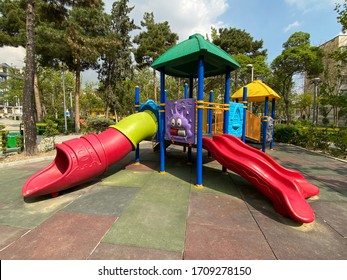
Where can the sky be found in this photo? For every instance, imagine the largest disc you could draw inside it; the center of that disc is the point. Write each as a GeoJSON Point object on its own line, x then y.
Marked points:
{"type": "Point", "coordinates": [272, 21]}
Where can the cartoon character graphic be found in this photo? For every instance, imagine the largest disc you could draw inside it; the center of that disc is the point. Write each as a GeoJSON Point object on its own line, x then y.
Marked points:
{"type": "Point", "coordinates": [180, 120]}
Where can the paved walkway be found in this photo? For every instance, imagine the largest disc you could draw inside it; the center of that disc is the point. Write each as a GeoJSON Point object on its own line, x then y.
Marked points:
{"type": "Point", "coordinates": [133, 212]}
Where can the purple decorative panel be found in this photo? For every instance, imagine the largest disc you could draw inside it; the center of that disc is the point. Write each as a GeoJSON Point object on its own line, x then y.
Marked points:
{"type": "Point", "coordinates": [180, 120]}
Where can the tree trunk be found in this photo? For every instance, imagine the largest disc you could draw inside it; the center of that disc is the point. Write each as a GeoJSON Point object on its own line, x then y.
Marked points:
{"type": "Point", "coordinates": [28, 95]}
{"type": "Point", "coordinates": [77, 97]}
{"type": "Point", "coordinates": [37, 100]}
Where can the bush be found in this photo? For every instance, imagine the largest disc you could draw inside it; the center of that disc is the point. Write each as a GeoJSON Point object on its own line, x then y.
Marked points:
{"type": "Point", "coordinates": [340, 140]}
{"type": "Point", "coordinates": [51, 129]}
{"type": "Point", "coordinates": [287, 134]}
{"type": "Point", "coordinates": [95, 124]}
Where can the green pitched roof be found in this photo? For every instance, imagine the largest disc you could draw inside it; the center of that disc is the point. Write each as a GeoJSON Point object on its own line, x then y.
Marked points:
{"type": "Point", "coordinates": [182, 60]}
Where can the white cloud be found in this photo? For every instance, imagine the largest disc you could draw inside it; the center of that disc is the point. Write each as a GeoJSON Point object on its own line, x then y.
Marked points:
{"type": "Point", "coordinates": [291, 26]}
{"type": "Point", "coordinates": [12, 56]}
{"type": "Point", "coordinates": [312, 5]}
{"type": "Point", "coordinates": [185, 17]}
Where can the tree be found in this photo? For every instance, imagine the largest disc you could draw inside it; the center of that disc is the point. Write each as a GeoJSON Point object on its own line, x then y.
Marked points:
{"type": "Point", "coordinates": [298, 56]}
{"type": "Point", "coordinates": [241, 45]}
{"type": "Point", "coordinates": [75, 35]}
{"type": "Point", "coordinates": [116, 64]}
{"type": "Point", "coordinates": [28, 96]}
{"type": "Point", "coordinates": [154, 41]}
{"type": "Point", "coordinates": [17, 24]}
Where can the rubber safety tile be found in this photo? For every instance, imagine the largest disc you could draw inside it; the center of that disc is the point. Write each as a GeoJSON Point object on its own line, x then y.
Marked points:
{"type": "Point", "coordinates": [65, 236]}
{"type": "Point", "coordinates": [294, 241]}
{"type": "Point", "coordinates": [10, 234]}
{"type": "Point", "coordinates": [103, 200]}
{"type": "Point", "coordinates": [105, 251]}
{"type": "Point", "coordinates": [221, 227]}
{"type": "Point", "coordinates": [333, 213]}
{"type": "Point", "coordinates": [156, 218]}
{"type": "Point", "coordinates": [17, 212]}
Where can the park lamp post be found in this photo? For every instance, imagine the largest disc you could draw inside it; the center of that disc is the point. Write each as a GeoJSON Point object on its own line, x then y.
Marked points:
{"type": "Point", "coordinates": [252, 77]}
{"type": "Point", "coordinates": [315, 96]}
{"type": "Point", "coordinates": [64, 96]}
{"type": "Point", "coordinates": [252, 71]}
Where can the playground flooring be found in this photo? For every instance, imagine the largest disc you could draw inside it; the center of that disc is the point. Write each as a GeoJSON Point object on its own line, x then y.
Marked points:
{"type": "Point", "coordinates": [134, 212]}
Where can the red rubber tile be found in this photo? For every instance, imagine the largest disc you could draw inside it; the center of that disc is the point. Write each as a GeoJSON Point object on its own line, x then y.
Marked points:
{"type": "Point", "coordinates": [221, 227]}
{"type": "Point", "coordinates": [205, 242]}
{"type": "Point", "coordinates": [64, 236]}
{"type": "Point", "coordinates": [106, 251]}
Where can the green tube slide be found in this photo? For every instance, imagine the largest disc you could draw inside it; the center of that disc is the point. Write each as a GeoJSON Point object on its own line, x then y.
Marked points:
{"type": "Point", "coordinates": [138, 127]}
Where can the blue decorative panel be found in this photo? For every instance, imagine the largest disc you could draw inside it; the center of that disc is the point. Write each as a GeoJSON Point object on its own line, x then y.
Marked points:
{"type": "Point", "coordinates": [235, 119]}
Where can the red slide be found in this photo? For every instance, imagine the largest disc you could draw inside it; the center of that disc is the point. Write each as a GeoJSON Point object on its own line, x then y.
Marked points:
{"type": "Point", "coordinates": [286, 188]}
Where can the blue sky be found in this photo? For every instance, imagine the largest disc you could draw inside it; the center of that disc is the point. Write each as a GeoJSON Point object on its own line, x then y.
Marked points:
{"type": "Point", "coordinates": [271, 20]}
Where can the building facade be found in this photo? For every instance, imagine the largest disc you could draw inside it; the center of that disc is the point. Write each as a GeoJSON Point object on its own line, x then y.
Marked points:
{"type": "Point", "coordinates": [334, 76]}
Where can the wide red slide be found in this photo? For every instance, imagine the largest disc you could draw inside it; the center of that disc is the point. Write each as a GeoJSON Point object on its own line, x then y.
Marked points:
{"type": "Point", "coordinates": [286, 188]}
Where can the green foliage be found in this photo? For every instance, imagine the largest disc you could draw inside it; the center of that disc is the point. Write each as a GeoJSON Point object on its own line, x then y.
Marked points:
{"type": "Point", "coordinates": [51, 129]}
{"type": "Point", "coordinates": [287, 134]}
{"type": "Point", "coordinates": [298, 56]}
{"type": "Point", "coordinates": [95, 125]}
{"type": "Point", "coordinates": [236, 41]}
{"type": "Point", "coordinates": [340, 140]}
{"type": "Point", "coordinates": [155, 40]}
{"type": "Point", "coordinates": [323, 139]}
{"type": "Point", "coordinates": [116, 63]}
{"type": "Point", "coordinates": [3, 138]}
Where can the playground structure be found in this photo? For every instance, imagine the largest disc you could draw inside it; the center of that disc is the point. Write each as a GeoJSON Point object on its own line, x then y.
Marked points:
{"type": "Point", "coordinates": [181, 122]}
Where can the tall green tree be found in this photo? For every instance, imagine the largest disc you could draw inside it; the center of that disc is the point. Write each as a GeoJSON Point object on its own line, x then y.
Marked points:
{"type": "Point", "coordinates": [76, 35]}
{"type": "Point", "coordinates": [298, 56]}
{"type": "Point", "coordinates": [17, 28]}
{"type": "Point", "coordinates": [242, 46]}
{"type": "Point", "coordinates": [28, 96]}
{"type": "Point", "coordinates": [116, 63]}
{"type": "Point", "coordinates": [152, 42]}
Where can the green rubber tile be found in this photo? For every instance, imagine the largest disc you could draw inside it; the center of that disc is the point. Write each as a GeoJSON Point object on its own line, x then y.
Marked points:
{"type": "Point", "coordinates": [30, 212]}
{"type": "Point", "coordinates": [327, 211]}
{"type": "Point", "coordinates": [326, 193]}
{"type": "Point", "coordinates": [313, 241]}
{"type": "Point", "coordinates": [156, 218]}
{"type": "Point", "coordinates": [143, 166]}
{"type": "Point", "coordinates": [103, 200]}
{"type": "Point", "coordinates": [10, 234]}
{"type": "Point", "coordinates": [65, 236]}
{"type": "Point", "coordinates": [106, 251]}
{"type": "Point", "coordinates": [127, 178]}
{"type": "Point", "coordinates": [335, 182]}
{"type": "Point", "coordinates": [214, 180]}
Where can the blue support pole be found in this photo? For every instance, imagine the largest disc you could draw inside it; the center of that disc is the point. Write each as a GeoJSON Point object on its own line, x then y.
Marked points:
{"type": "Point", "coordinates": [185, 91]}
{"type": "Point", "coordinates": [209, 113]}
{"type": "Point", "coordinates": [273, 114]}
{"type": "Point", "coordinates": [137, 108]}
{"type": "Point", "coordinates": [244, 98]}
{"type": "Point", "coordinates": [200, 97]}
{"type": "Point", "coordinates": [266, 113]}
{"type": "Point", "coordinates": [191, 86]}
{"type": "Point", "coordinates": [162, 121]}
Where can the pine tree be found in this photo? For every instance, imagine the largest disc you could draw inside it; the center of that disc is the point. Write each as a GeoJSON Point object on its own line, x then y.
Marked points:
{"type": "Point", "coordinates": [152, 43]}
{"type": "Point", "coordinates": [116, 62]}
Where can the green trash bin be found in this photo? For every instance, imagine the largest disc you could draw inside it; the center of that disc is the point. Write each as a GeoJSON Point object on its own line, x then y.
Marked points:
{"type": "Point", "coordinates": [11, 139]}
